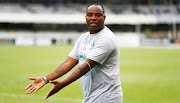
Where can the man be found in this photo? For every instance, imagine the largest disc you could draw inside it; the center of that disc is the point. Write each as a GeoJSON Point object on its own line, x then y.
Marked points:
{"type": "Point", "coordinates": [97, 53]}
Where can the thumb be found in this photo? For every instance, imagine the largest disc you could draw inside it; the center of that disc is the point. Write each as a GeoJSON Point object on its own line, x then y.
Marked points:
{"type": "Point", "coordinates": [32, 78]}
{"type": "Point", "coordinates": [53, 82]}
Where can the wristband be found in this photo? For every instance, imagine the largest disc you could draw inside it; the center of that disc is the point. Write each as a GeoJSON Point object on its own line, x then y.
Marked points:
{"type": "Point", "coordinates": [45, 79]}
{"type": "Point", "coordinates": [88, 64]}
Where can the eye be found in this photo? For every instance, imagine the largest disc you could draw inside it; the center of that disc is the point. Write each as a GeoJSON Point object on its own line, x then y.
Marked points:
{"type": "Point", "coordinates": [98, 15]}
{"type": "Point", "coordinates": [89, 14]}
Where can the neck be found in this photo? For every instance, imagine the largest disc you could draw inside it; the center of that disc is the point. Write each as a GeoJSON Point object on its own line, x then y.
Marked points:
{"type": "Point", "coordinates": [93, 32]}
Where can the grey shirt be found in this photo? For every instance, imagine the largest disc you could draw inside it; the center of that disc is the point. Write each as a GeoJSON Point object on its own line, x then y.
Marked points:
{"type": "Point", "coordinates": [102, 83]}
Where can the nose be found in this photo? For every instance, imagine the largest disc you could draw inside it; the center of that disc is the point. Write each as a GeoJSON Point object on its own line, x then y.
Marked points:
{"type": "Point", "coordinates": [93, 17]}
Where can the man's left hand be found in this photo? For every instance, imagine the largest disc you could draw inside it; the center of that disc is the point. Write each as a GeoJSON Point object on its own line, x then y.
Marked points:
{"type": "Point", "coordinates": [57, 86]}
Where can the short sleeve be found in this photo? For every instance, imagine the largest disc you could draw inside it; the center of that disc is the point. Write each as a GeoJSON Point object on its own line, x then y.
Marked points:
{"type": "Point", "coordinates": [74, 52]}
{"type": "Point", "coordinates": [101, 50]}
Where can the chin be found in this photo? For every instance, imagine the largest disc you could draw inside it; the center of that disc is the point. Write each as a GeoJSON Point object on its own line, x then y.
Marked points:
{"type": "Point", "coordinates": [94, 30]}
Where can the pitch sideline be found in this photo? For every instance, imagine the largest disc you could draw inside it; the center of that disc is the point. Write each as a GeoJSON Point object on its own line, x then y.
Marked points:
{"type": "Point", "coordinates": [41, 97]}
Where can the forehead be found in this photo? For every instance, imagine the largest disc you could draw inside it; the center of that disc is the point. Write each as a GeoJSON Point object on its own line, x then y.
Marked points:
{"type": "Point", "coordinates": [94, 9]}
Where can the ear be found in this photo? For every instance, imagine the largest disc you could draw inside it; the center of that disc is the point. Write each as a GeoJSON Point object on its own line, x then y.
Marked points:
{"type": "Point", "coordinates": [104, 17]}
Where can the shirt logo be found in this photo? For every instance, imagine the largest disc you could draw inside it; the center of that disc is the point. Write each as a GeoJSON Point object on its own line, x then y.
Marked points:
{"type": "Point", "coordinates": [82, 57]}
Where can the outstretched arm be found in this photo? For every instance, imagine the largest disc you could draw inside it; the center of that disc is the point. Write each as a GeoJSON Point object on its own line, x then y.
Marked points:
{"type": "Point", "coordinates": [63, 68]}
{"type": "Point", "coordinates": [76, 74]}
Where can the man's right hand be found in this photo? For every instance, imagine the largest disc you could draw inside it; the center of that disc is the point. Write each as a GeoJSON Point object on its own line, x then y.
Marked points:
{"type": "Point", "coordinates": [38, 83]}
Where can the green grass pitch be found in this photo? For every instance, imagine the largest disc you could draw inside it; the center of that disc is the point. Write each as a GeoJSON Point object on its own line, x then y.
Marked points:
{"type": "Point", "coordinates": [147, 75]}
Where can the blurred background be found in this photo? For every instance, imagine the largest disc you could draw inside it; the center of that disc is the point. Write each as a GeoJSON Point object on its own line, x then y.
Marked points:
{"type": "Point", "coordinates": [136, 23]}
{"type": "Point", "coordinates": [37, 35]}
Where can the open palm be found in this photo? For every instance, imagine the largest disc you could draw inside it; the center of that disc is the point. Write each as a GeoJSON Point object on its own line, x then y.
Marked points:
{"type": "Point", "coordinates": [37, 83]}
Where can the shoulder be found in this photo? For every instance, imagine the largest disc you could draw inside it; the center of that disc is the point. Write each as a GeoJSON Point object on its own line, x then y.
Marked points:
{"type": "Point", "coordinates": [106, 33]}
{"type": "Point", "coordinates": [82, 36]}
{"type": "Point", "coordinates": [107, 37]}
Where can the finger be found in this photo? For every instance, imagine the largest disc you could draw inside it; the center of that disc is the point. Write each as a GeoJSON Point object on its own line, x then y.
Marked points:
{"type": "Point", "coordinates": [28, 91]}
{"type": "Point", "coordinates": [54, 90]}
{"type": "Point", "coordinates": [51, 92]}
{"type": "Point", "coordinates": [32, 78]}
{"type": "Point", "coordinates": [28, 86]}
{"type": "Point", "coordinates": [36, 90]}
{"type": "Point", "coordinates": [31, 90]}
{"type": "Point", "coordinates": [47, 96]}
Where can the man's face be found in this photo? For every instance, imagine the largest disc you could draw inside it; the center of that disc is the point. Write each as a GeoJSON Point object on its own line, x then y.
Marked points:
{"type": "Point", "coordinates": [95, 18]}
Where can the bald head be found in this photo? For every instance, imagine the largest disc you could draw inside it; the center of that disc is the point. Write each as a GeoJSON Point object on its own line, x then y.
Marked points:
{"type": "Point", "coordinates": [95, 18]}
{"type": "Point", "coordinates": [99, 6]}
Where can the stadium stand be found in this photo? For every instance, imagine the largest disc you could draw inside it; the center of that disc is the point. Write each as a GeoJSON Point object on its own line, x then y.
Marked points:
{"type": "Point", "coordinates": [50, 19]}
